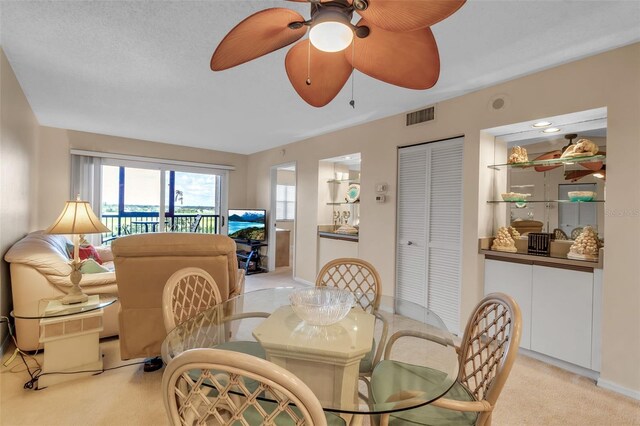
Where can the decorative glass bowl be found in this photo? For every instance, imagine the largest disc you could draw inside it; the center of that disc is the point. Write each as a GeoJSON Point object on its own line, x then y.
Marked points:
{"type": "Point", "coordinates": [581, 195]}
{"type": "Point", "coordinates": [514, 196]}
{"type": "Point", "coordinates": [321, 305]}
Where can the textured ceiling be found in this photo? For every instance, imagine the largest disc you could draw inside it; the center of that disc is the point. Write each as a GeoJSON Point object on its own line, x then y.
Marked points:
{"type": "Point", "coordinates": [140, 69]}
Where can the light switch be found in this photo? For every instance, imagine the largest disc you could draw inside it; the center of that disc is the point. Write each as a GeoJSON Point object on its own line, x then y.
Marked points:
{"type": "Point", "coordinates": [381, 187]}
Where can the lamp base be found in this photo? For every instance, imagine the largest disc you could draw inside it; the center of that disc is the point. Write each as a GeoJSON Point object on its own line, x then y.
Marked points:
{"type": "Point", "coordinates": [75, 294]}
{"type": "Point", "coordinates": [71, 299]}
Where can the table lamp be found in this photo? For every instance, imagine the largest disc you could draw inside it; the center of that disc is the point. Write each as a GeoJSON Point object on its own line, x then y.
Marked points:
{"type": "Point", "coordinates": [76, 218]}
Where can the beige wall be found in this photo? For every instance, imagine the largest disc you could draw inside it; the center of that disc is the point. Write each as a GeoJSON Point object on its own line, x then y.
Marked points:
{"type": "Point", "coordinates": [55, 167]}
{"type": "Point", "coordinates": [18, 168]}
{"type": "Point", "coordinates": [611, 79]}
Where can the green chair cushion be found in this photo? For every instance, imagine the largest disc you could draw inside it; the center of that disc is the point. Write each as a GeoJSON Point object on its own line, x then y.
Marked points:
{"type": "Point", "coordinates": [253, 417]}
{"type": "Point", "coordinates": [390, 377]}
{"type": "Point", "coordinates": [246, 347]}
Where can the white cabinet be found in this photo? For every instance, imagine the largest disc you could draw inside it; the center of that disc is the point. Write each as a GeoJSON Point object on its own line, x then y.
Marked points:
{"type": "Point", "coordinates": [560, 309]}
{"type": "Point", "coordinates": [562, 314]}
{"type": "Point", "coordinates": [513, 279]}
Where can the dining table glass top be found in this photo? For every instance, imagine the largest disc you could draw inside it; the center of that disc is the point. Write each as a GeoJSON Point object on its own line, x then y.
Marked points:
{"type": "Point", "coordinates": [329, 358]}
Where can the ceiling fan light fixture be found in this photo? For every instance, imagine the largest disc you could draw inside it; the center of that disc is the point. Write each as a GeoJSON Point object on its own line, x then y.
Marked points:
{"type": "Point", "coordinates": [331, 31]}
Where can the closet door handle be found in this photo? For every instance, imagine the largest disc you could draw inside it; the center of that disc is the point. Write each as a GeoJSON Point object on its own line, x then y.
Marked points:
{"type": "Point", "coordinates": [409, 243]}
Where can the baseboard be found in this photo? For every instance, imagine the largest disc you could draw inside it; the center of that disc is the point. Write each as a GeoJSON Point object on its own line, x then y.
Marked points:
{"type": "Point", "coordinates": [606, 384]}
{"type": "Point", "coordinates": [301, 281]}
{"type": "Point", "coordinates": [576, 369]}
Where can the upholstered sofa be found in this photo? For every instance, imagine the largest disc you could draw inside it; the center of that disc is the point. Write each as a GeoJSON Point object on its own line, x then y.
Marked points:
{"type": "Point", "coordinates": [39, 271]}
{"type": "Point", "coordinates": [144, 262]}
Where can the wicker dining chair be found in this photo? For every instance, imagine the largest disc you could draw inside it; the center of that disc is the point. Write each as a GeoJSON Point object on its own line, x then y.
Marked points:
{"type": "Point", "coordinates": [191, 291]}
{"type": "Point", "coordinates": [209, 386]}
{"type": "Point", "coordinates": [362, 279]}
{"type": "Point", "coordinates": [188, 292]}
{"type": "Point", "coordinates": [486, 356]}
{"type": "Point", "coordinates": [355, 275]}
{"type": "Point", "coordinates": [559, 234]}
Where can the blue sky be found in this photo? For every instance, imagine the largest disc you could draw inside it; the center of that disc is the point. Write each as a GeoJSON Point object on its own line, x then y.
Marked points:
{"type": "Point", "coordinates": [143, 187]}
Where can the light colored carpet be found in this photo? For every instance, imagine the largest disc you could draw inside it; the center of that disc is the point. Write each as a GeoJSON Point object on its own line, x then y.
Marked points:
{"type": "Point", "coordinates": [535, 393]}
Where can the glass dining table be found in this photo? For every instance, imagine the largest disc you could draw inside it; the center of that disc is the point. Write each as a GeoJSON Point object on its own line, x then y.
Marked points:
{"type": "Point", "coordinates": [328, 358]}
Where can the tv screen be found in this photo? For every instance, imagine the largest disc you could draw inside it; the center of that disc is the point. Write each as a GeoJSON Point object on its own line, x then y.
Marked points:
{"type": "Point", "coordinates": [247, 224]}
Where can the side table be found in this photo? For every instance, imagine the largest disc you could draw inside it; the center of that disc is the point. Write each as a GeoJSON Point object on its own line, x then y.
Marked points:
{"type": "Point", "coordinates": [70, 334]}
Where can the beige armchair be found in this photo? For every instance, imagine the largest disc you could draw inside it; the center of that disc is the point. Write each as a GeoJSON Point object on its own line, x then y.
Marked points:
{"type": "Point", "coordinates": [144, 263]}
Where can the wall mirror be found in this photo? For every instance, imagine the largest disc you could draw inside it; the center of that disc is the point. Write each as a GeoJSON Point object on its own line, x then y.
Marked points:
{"type": "Point", "coordinates": [565, 192]}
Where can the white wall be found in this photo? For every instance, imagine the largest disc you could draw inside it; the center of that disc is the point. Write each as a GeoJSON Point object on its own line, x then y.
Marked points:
{"type": "Point", "coordinates": [18, 174]}
{"type": "Point", "coordinates": [611, 79]}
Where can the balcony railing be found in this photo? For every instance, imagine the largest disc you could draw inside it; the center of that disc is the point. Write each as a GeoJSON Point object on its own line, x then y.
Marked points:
{"type": "Point", "coordinates": [139, 223]}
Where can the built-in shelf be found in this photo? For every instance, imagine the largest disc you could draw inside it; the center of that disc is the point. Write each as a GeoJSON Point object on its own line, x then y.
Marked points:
{"type": "Point", "coordinates": [553, 161]}
{"type": "Point", "coordinates": [337, 236]}
{"type": "Point", "coordinates": [545, 201]}
{"type": "Point", "coordinates": [342, 203]}
{"type": "Point", "coordinates": [343, 181]}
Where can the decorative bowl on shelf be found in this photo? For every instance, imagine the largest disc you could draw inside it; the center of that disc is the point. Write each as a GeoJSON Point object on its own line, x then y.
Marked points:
{"type": "Point", "coordinates": [514, 196]}
{"type": "Point", "coordinates": [581, 195]}
{"type": "Point", "coordinates": [321, 305]}
{"type": "Point", "coordinates": [353, 193]}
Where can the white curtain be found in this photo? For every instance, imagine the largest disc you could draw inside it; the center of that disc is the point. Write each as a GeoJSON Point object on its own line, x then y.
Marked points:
{"type": "Point", "coordinates": [86, 179]}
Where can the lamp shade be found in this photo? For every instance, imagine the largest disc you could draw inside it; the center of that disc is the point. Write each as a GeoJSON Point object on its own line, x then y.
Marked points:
{"type": "Point", "coordinates": [77, 218]}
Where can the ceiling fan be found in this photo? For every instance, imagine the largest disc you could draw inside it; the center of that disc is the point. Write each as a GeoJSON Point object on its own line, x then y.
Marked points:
{"type": "Point", "coordinates": [392, 42]}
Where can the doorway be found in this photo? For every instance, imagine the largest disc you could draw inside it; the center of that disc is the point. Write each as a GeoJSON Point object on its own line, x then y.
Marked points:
{"type": "Point", "coordinates": [282, 220]}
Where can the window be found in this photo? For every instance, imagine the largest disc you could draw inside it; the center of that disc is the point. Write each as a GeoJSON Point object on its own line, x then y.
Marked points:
{"type": "Point", "coordinates": [143, 194]}
{"type": "Point", "coordinates": [131, 200]}
{"type": "Point", "coordinates": [285, 202]}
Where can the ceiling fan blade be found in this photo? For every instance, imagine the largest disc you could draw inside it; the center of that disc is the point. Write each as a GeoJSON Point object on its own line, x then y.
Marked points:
{"type": "Point", "coordinates": [407, 59]}
{"type": "Point", "coordinates": [328, 73]}
{"type": "Point", "coordinates": [408, 15]}
{"type": "Point", "coordinates": [259, 34]}
{"type": "Point", "coordinates": [594, 165]}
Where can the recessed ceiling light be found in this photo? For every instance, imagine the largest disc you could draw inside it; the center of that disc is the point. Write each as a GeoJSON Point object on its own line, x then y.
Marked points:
{"type": "Point", "coordinates": [598, 175]}
{"type": "Point", "coordinates": [551, 130]}
{"type": "Point", "coordinates": [347, 158]}
{"type": "Point", "coordinates": [542, 124]}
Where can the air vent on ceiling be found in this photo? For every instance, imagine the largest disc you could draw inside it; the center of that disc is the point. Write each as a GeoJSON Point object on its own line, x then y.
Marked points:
{"type": "Point", "coordinates": [421, 116]}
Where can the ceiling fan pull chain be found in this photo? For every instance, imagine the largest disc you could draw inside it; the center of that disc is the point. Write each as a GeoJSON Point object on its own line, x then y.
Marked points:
{"type": "Point", "coordinates": [309, 64]}
{"type": "Point", "coordinates": [352, 102]}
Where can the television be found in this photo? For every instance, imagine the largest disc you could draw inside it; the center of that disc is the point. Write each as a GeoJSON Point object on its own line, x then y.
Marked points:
{"type": "Point", "coordinates": [247, 224]}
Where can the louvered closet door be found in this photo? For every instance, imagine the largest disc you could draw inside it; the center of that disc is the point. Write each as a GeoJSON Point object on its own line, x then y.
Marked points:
{"type": "Point", "coordinates": [430, 228]}
{"type": "Point", "coordinates": [412, 228]}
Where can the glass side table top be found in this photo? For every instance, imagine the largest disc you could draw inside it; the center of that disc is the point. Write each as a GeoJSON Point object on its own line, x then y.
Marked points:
{"type": "Point", "coordinates": [95, 302]}
{"type": "Point", "coordinates": [245, 320]}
